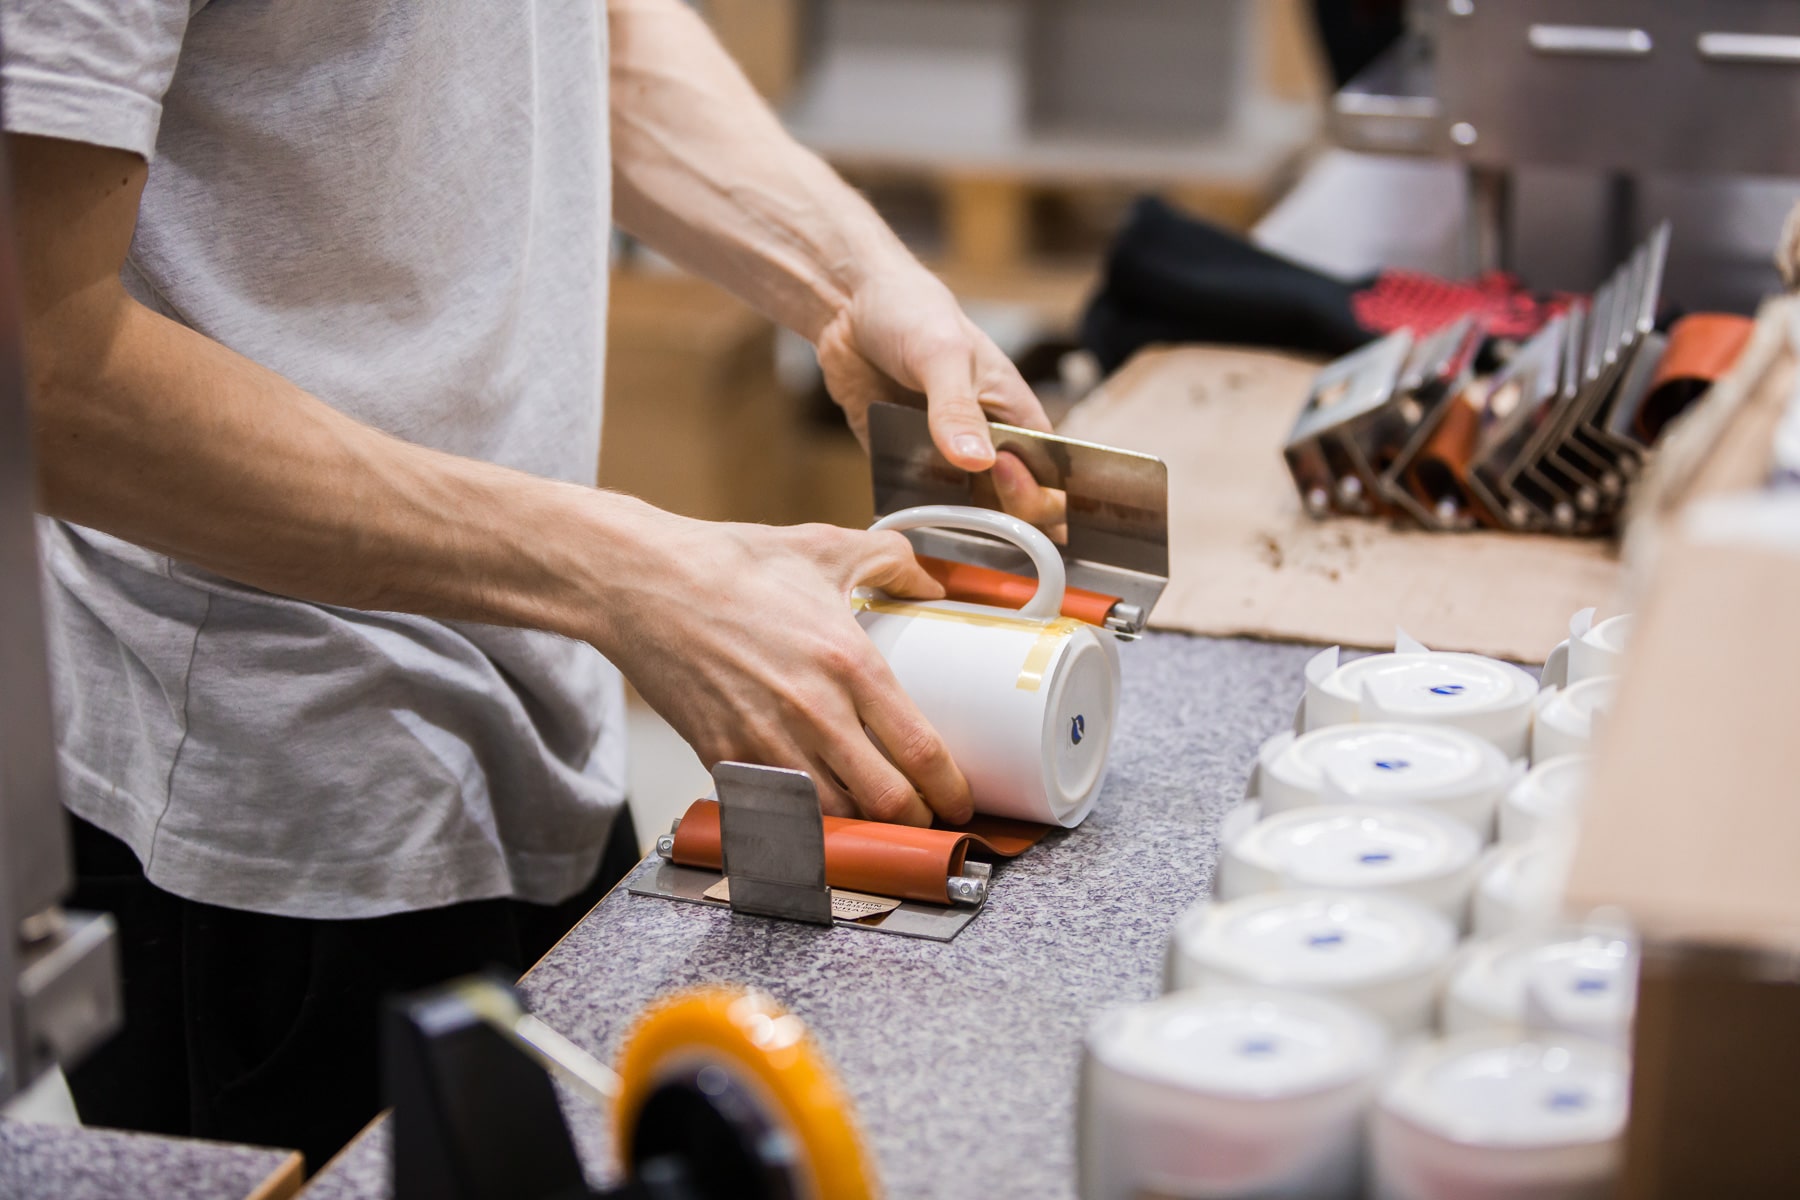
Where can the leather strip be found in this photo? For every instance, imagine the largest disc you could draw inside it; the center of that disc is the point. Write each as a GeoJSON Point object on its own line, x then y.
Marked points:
{"type": "Point", "coordinates": [1002, 589]}
{"type": "Point", "coordinates": [902, 861]}
{"type": "Point", "coordinates": [1441, 466]}
{"type": "Point", "coordinates": [1701, 348]}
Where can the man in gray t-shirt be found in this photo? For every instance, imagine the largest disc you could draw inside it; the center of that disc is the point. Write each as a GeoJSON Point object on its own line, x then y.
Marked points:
{"type": "Point", "coordinates": [315, 316]}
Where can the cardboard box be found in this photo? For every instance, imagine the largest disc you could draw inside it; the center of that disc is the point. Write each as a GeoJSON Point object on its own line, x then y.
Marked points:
{"type": "Point", "coordinates": [1692, 826]}
{"type": "Point", "coordinates": [696, 421]}
{"type": "Point", "coordinates": [764, 37]}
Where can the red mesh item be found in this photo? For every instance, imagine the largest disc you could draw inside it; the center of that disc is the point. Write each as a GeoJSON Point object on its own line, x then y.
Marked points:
{"type": "Point", "coordinates": [1423, 303]}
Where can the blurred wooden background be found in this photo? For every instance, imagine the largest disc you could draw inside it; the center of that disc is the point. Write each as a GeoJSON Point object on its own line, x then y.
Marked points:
{"type": "Point", "coordinates": [1010, 191]}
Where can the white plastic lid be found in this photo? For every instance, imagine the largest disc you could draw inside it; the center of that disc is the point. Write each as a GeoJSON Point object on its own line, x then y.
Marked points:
{"type": "Point", "coordinates": [1317, 939]}
{"type": "Point", "coordinates": [1240, 1042]}
{"type": "Point", "coordinates": [1432, 686]}
{"type": "Point", "coordinates": [1564, 979]}
{"type": "Point", "coordinates": [1584, 984]}
{"type": "Point", "coordinates": [1493, 1089]}
{"type": "Point", "coordinates": [1522, 886]}
{"type": "Point", "coordinates": [1550, 794]}
{"type": "Point", "coordinates": [1357, 846]}
{"type": "Point", "coordinates": [1384, 763]}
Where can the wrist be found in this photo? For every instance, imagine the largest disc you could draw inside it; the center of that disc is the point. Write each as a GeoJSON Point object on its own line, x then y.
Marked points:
{"type": "Point", "coordinates": [867, 252]}
{"type": "Point", "coordinates": [608, 557]}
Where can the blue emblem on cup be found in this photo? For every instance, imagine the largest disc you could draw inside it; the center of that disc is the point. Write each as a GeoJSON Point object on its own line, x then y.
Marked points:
{"type": "Point", "coordinates": [1373, 857]}
{"type": "Point", "coordinates": [1448, 689]}
{"type": "Point", "coordinates": [1391, 764]}
{"type": "Point", "coordinates": [1257, 1047]}
{"type": "Point", "coordinates": [1321, 941]}
{"type": "Point", "coordinates": [1566, 1100]}
{"type": "Point", "coordinates": [1077, 730]}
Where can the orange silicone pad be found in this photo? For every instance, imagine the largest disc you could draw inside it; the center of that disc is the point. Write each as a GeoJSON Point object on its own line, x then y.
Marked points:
{"type": "Point", "coordinates": [1002, 589]}
{"type": "Point", "coordinates": [901, 861]}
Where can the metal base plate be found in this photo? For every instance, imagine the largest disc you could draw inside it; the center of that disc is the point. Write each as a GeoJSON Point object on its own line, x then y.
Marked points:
{"type": "Point", "coordinates": [667, 881]}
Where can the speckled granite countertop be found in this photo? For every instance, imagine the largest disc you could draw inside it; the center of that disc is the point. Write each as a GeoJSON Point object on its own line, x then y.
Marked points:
{"type": "Point", "coordinates": [59, 1162]}
{"type": "Point", "coordinates": [961, 1056]}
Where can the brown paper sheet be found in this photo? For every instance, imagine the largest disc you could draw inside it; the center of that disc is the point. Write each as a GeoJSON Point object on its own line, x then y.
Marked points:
{"type": "Point", "coordinates": [1245, 559]}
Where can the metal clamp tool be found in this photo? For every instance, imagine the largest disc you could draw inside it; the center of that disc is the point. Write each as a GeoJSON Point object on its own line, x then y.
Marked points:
{"type": "Point", "coordinates": [1326, 453]}
{"type": "Point", "coordinates": [1369, 415]}
{"type": "Point", "coordinates": [772, 844]}
{"type": "Point", "coordinates": [1550, 445]}
{"type": "Point", "coordinates": [1117, 504]}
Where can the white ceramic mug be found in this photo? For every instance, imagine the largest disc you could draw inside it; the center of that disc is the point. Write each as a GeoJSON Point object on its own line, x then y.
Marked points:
{"type": "Point", "coordinates": [1485, 696]}
{"type": "Point", "coordinates": [1503, 1118]}
{"type": "Point", "coordinates": [1025, 699]}
{"type": "Point", "coordinates": [1565, 718]}
{"type": "Point", "coordinates": [1567, 980]}
{"type": "Point", "coordinates": [1437, 768]}
{"type": "Point", "coordinates": [1420, 855]}
{"type": "Point", "coordinates": [1383, 954]}
{"type": "Point", "coordinates": [1547, 800]}
{"type": "Point", "coordinates": [1522, 885]}
{"type": "Point", "coordinates": [1586, 985]}
{"type": "Point", "coordinates": [1589, 651]}
{"type": "Point", "coordinates": [1227, 1092]}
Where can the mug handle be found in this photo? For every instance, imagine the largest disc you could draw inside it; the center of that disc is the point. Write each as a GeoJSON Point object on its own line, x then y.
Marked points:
{"type": "Point", "coordinates": [1046, 603]}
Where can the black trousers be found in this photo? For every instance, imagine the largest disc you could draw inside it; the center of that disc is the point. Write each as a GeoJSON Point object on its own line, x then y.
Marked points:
{"type": "Point", "coordinates": [251, 1028]}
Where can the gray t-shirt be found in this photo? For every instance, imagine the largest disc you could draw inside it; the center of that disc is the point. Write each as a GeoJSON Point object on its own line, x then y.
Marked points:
{"type": "Point", "coordinates": [402, 207]}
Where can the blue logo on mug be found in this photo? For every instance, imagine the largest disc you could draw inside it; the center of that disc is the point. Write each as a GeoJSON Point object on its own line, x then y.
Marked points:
{"type": "Point", "coordinates": [1077, 730]}
{"type": "Point", "coordinates": [1392, 764]}
{"type": "Point", "coordinates": [1448, 689]}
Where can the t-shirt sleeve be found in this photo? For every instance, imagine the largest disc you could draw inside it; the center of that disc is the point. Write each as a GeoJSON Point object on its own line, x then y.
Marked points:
{"type": "Point", "coordinates": [90, 70]}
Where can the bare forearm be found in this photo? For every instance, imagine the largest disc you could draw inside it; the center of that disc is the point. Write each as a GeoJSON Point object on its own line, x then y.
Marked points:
{"type": "Point", "coordinates": [156, 434]}
{"type": "Point", "coordinates": [704, 172]}
{"type": "Point", "coordinates": [741, 635]}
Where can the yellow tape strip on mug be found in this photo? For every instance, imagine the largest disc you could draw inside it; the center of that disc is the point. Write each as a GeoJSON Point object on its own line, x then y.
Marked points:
{"type": "Point", "coordinates": [1051, 634]}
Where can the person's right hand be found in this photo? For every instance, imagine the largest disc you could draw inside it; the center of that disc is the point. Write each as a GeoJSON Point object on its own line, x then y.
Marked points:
{"type": "Point", "coordinates": [743, 638]}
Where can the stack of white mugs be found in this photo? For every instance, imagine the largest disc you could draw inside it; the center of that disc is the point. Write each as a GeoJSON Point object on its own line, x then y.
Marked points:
{"type": "Point", "coordinates": [1383, 995]}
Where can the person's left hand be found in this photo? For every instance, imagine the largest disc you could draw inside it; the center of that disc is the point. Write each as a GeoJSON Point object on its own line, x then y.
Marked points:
{"type": "Point", "coordinates": [903, 332]}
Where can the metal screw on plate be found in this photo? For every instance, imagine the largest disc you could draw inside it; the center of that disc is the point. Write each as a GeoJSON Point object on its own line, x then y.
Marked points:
{"type": "Point", "coordinates": [966, 891]}
{"type": "Point", "coordinates": [1463, 133]}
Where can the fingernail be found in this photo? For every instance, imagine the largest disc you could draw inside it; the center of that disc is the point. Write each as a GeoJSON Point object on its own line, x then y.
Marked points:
{"type": "Point", "coordinates": [971, 446]}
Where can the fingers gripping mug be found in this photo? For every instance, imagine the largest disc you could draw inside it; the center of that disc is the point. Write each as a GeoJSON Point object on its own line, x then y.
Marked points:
{"type": "Point", "coordinates": [1024, 699]}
